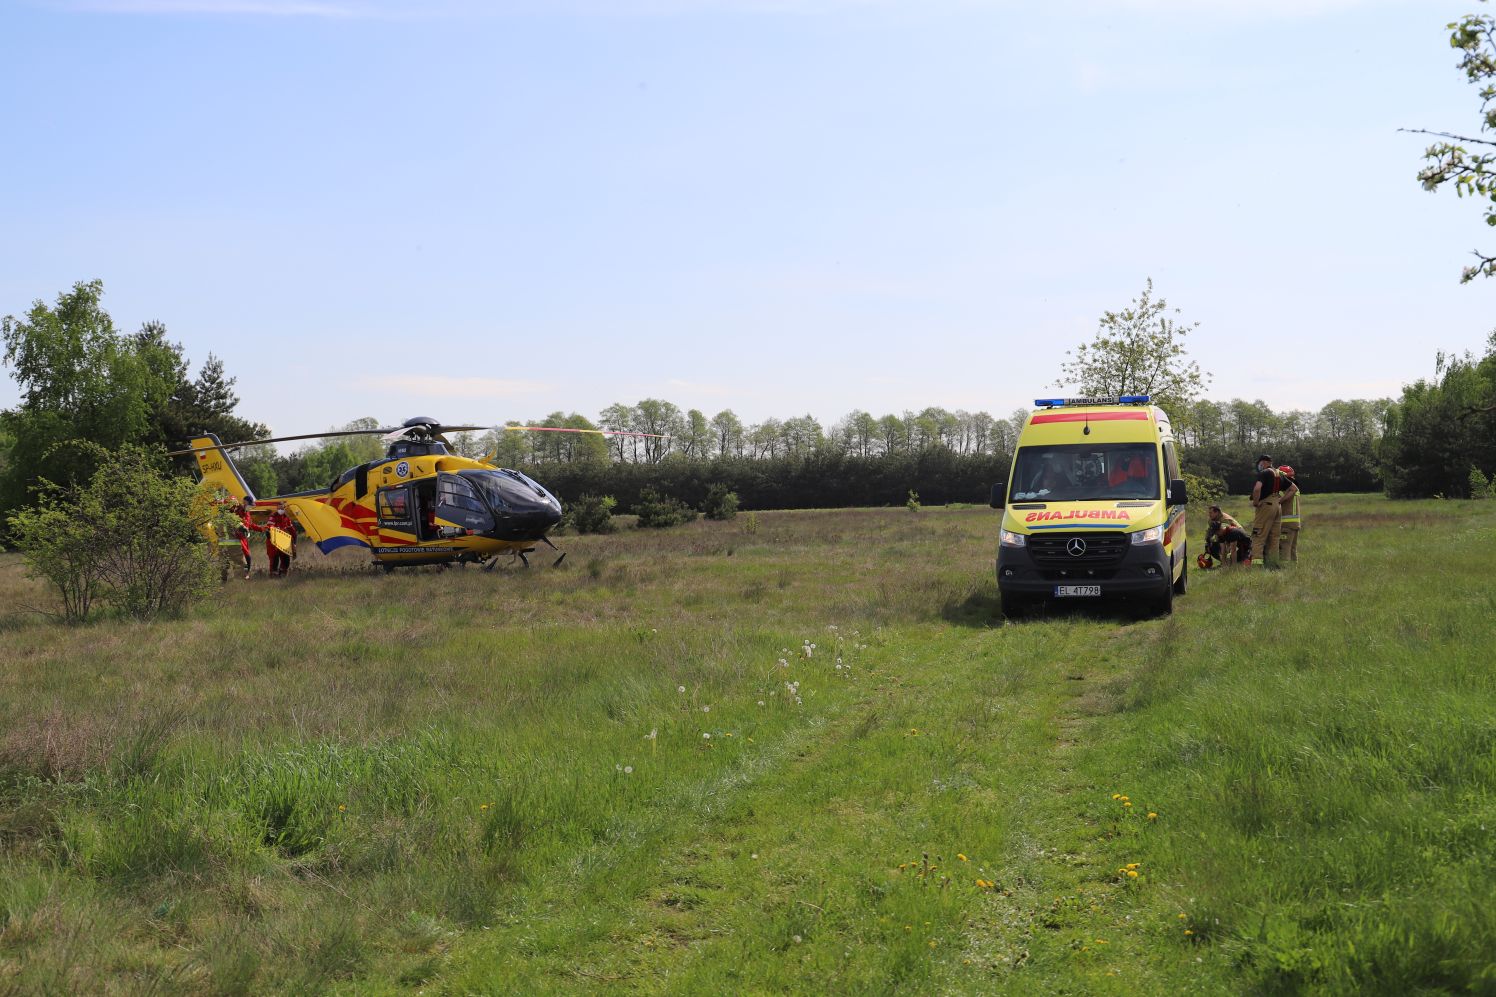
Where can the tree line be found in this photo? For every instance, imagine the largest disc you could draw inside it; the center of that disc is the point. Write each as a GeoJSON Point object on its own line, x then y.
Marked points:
{"type": "Point", "coordinates": [83, 379]}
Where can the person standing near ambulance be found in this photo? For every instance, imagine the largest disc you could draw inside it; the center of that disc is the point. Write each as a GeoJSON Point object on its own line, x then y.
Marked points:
{"type": "Point", "coordinates": [1288, 540]}
{"type": "Point", "coordinates": [1267, 492]}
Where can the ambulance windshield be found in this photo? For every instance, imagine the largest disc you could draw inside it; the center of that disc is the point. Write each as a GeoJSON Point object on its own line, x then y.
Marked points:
{"type": "Point", "coordinates": [1086, 472]}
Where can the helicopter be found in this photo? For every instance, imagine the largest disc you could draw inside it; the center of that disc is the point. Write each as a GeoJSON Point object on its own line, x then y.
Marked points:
{"type": "Point", "coordinates": [419, 504]}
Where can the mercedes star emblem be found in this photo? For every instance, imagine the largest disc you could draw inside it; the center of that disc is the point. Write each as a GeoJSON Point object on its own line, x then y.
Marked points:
{"type": "Point", "coordinates": [1076, 546]}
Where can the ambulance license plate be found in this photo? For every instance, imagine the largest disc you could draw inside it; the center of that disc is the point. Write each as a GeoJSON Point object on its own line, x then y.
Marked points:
{"type": "Point", "coordinates": [1061, 591]}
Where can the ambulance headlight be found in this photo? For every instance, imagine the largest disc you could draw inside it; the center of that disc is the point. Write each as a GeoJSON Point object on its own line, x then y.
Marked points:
{"type": "Point", "coordinates": [1011, 539]}
{"type": "Point", "coordinates": [1148, 536]}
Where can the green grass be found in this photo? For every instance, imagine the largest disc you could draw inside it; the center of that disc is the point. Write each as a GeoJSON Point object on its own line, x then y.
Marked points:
{"type": "Point", "coordinates": [445, 781]}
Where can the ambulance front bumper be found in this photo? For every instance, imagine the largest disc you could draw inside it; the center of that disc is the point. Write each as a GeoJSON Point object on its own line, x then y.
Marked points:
{"type": "Point", "coordinates": [1110, 562]}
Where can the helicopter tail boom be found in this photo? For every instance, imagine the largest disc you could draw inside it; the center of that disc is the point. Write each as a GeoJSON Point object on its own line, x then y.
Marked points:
{"type": "Point", "coordinates": [217, 469]}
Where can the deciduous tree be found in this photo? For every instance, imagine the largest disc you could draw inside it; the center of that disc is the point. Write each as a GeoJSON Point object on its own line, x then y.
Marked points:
{"type": "Point", "coordinates": [1137, 351]}
{"type": "Point", "coordinates": [1451, 162]}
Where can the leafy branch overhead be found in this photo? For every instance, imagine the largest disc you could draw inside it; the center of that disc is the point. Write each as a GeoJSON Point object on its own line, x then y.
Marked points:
{"type": "Point", "coordinates": [1450, 162]}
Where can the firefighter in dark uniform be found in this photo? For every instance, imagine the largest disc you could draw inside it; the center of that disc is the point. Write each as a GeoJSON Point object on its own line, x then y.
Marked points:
{"type": "Point", "coordinates": [1268, 491]}
{"type": "Point", "coordinates": [1224, 529]}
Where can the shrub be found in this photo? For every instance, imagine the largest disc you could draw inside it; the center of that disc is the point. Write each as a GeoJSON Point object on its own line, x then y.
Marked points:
{"type": "Point", "coordinates": [132, 536]}
{"type": "Point", "coordinates": [912, 502]}
{"type": "Point", "coordinates": [1481, 487]}
{"type": "Point", "coordinates": [657, 511]}
{"type": "Point", "coordinates": [1204, 489]}
{"type": "Point", "coordinates": [720, 502]}
{"type": "Point", "coordinates": [590, 514]}
{"type": "Point", "coordinates": [56, 540]}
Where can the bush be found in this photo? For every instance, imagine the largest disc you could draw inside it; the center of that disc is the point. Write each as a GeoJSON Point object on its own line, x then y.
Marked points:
{"type": "Point", "coordinates": [133, 536]}
{"type": "Point", "coordinates": [590, 514]}
{"type": "Point", "coordinates": [56, 540]}
{"type": "Point", "coordinates": [1481, 487]}
{"type": "Point", "coordinates": [1203, 488]}
{"type": "Point", "coordinates": [720, 502]}
{"type": "Point", "coordinates": [658, 511]}
{"type": "Point", "coordinates": [912, 502]}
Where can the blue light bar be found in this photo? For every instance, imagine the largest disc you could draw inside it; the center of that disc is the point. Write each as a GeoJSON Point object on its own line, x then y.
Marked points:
{"type": "Point", "coordinates": [1048, 402]}
{"type": "Point", "coordinates": [1133, 399]}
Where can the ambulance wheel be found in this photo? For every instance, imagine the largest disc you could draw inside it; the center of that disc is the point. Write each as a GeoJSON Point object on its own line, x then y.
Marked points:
{"type": "Point", "coordinates": [1163, 605]}
{"type": "Point", "coordinates": [1182, 585]}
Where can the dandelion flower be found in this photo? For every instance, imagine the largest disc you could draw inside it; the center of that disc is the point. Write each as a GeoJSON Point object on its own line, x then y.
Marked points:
{"type": "Point", "coordinates": [706, 736]}
{"type": "Point", "coordinates": [342, 809]}
{"type": "Point", "coordinates": [1181, 917]}
{"type": "Point", "coordinates": [1152, 815]}
{"type": "Point", "coordinates": [680, 688]}
{"type": "Point", "coordinates": [1133, 865]}
{"type": "Point", "coordinates": [1127, 803]}
{"type": "Point", "coordinates": [932, 943]}
{"type": "Point", "coordinates": [963, 858]}
{"type": "Point", "coordinates": [1188, 931]}
{"type": "Point", "coordinates": [1116, 796]}
{"type": "Point", "coordinates": [1132, 873]}
{"type": "Point", "coordinates": [706, 709]}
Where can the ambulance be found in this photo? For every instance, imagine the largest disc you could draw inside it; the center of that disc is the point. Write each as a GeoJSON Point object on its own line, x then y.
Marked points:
{"type": "Point", "coordinates": [1093, 507]}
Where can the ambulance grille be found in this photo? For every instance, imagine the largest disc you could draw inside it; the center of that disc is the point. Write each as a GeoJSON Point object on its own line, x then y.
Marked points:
{"type": "Point", "coordinates": [1103, 551]}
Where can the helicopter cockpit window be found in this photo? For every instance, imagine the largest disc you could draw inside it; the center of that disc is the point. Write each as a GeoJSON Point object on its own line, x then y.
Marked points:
{"type": "Point", "coordinates": [454, 491]}
{"type": "Point", "coordinates": [459, 502]}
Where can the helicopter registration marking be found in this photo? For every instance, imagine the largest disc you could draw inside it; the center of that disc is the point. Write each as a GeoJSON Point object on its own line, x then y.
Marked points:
{"type": "Point", "coordinates": [402, 469]}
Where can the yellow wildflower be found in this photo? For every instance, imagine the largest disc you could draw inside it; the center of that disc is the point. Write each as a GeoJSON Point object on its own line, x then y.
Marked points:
{"type": "Point", "coordinates": [963, 858]}
{"type": "Point", "coordinates": [1152, 815]}
{"type": "Point", "coordinates": [1133, 873]}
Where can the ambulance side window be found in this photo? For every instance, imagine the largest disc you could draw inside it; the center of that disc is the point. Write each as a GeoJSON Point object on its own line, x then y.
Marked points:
{"type": "Point", "coordinates": [1171, 461]}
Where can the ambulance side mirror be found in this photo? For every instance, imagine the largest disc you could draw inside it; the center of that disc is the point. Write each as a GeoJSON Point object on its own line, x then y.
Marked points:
{"type": "Point", "coordinates": [997, 495]}
{"type": "Point", "coordinates": [1177, 494]}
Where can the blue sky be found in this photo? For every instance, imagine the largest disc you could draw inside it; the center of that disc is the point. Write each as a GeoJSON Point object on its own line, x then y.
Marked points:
{"type": "Point", "coordinates": [486, 211]}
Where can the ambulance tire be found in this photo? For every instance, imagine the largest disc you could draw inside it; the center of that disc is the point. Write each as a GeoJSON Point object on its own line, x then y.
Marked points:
{"type": "Point", "coordinates": [1182, 585]}
{"type": "Point", "coordinates": [1163, 605]}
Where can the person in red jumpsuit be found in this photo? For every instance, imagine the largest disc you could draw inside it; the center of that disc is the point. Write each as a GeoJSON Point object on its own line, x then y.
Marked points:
{"type": "Point", "coordinates": [280, 561]}
{"type": "Point", "coordinates": [247, 525]}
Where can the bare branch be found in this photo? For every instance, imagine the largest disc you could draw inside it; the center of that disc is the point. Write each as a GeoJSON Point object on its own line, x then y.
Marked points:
{"type": "Point", "coordinates": [1449, 135]}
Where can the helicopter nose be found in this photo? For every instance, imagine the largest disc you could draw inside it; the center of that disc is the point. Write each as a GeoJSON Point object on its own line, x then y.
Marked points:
{"type": "Point", "coordinates": [522, 509]}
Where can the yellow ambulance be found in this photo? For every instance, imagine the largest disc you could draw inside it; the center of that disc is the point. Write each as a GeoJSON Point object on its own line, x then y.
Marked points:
{"type": "Point", "coordinates": [1093, 506]}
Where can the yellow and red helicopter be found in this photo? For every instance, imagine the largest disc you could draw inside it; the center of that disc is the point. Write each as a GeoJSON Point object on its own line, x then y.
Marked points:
{"type": "Point", "coordinates": [420, 503]}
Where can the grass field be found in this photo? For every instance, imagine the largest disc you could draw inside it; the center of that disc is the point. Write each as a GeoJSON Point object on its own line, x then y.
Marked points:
{"type": "Point", "coordinates": [789, 752]}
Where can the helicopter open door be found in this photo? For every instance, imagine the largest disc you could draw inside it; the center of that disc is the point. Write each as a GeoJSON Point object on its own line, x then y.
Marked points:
{"type": "Point", "coordinates": [459, 504]}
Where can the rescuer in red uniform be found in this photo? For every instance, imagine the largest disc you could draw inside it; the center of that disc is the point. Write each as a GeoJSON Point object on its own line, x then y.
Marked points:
{"type": "Point", "coordinates": [280, 561]}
